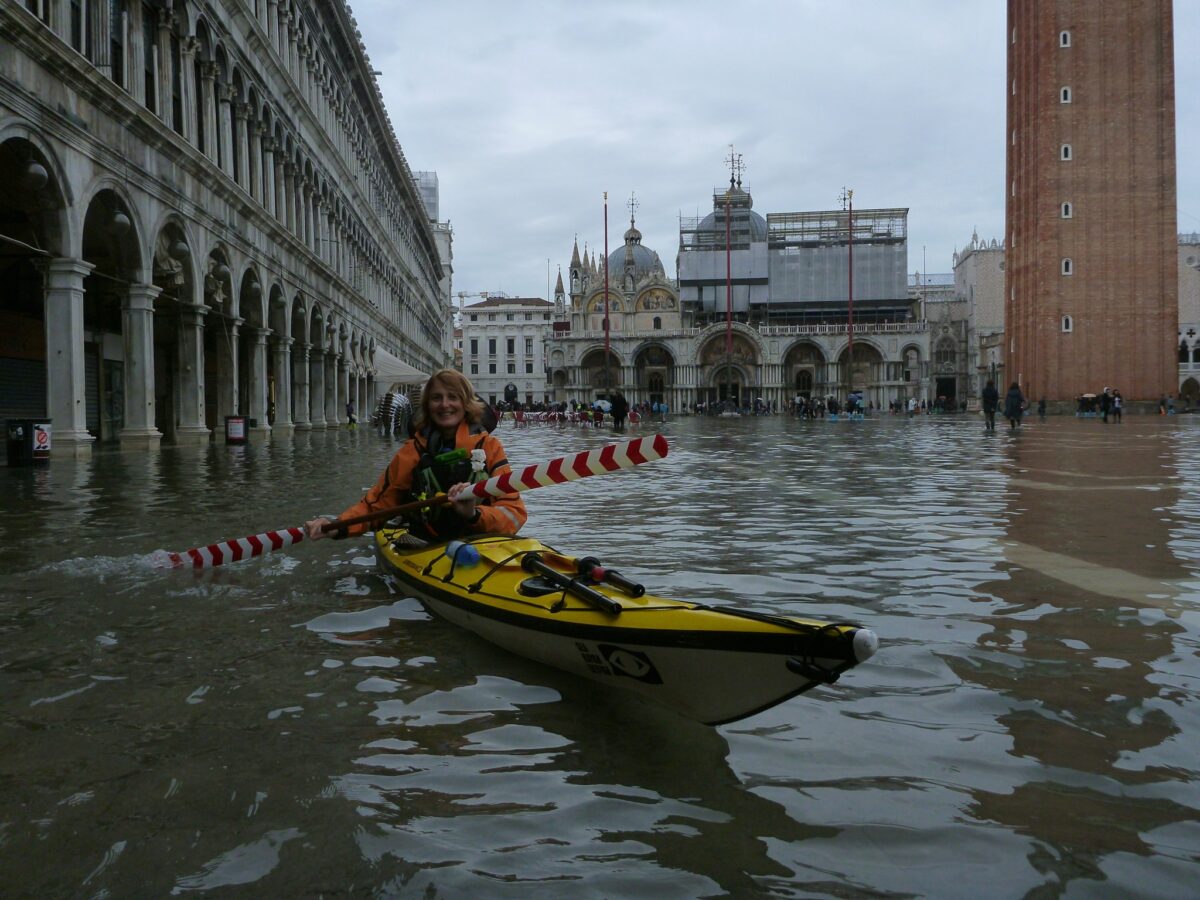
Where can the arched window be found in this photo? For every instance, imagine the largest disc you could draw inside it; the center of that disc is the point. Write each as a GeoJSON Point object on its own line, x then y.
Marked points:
{"type": "Point", "coordinates": [1183, 352]}
{"type": "Point", "coordinates": [657, 323]}
{"type": "Point", "coordinates": [1068, 267]}
{"type": "Point", "coordinates": [1064, 96]}
{"type": "Point", "coordinates": [1064, 39]}
{"type": "Point", "coordinates": [944, 356]}
{"type": "Point", "coordinates": [1196, 353]}
{"type": "Point", "coordinates": [1067, 212]}
{"type": "Point", "coordinates": [1065, 153]}
{"type": "Point", "coordinates": [1067, 325]}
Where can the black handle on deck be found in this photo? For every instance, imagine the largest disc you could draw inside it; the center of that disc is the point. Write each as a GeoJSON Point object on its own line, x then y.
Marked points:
{"type": "Point", "coordinates": [531, 562]}
{"type": "Point", "coordinates": [590, 567]}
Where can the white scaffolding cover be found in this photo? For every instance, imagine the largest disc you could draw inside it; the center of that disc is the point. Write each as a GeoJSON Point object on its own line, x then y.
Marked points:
{"type": "Point", "coordinates": [393, 370]}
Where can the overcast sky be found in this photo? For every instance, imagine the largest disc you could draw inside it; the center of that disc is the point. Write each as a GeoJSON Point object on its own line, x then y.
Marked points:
{"type": "Point", "coordinates": [530, 111]}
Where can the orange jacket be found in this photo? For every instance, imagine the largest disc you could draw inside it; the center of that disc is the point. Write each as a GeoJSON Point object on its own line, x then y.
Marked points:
{"type": "Point", "coordinates": [498, 515]}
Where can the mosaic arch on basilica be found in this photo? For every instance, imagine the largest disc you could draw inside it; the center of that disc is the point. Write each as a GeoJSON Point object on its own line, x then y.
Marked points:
{"type": "Point", "coordinates": [191, 240]}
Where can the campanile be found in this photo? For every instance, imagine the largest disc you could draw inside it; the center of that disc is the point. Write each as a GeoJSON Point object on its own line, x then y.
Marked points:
{"type": "Point", "coordinates": [1091, 279]}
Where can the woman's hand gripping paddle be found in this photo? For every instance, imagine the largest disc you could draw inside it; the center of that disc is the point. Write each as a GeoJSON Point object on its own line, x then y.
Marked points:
{"type": "Point", "coordinates": [556, 471]}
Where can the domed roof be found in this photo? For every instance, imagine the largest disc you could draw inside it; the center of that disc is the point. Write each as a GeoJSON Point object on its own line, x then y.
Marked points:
{"type": "Point", "coordinates": [741, 214]}
{"type": "Point", "coordinates": [645, 262]}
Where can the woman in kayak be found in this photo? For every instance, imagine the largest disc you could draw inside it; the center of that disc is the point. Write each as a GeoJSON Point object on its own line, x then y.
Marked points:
{"type": "Point", "coordinates": [449, 452]}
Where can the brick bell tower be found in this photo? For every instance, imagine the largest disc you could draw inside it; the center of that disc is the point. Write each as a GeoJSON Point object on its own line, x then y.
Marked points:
{"type": "Point", "coordinates": [1091, 283]}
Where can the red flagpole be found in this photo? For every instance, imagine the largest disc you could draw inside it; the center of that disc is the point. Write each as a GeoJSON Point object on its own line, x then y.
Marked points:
{"type": "Point", "coordinates": [607, 373]}
{"type": "Point", "coordinates": [850, 293]}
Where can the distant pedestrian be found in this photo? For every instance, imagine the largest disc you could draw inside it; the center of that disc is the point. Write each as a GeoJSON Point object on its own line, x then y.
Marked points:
{"type": "Point", "coordinates": [1105, 405]}
{"type": "Point", "coordinates": [350, 417]}
{"type": "Point", "coordinates": [1042, 410]}
{"type": "Point", "coordinates": [991, 400]}
{"type": "Point", "coordinates": [1117, 405]}
{"type": "Point", "coordinates": [620, 409]}
{"type": "Point", "coordinates": [1014, 406]}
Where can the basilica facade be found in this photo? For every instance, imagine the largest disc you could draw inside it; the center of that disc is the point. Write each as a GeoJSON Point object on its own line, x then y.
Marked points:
{"type": "Point", "coordinates": [205, 213]}
{"type": "Point", "coordinates": [760, 309]}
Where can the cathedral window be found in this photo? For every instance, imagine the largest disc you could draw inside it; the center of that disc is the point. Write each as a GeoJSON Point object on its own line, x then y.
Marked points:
{"type": "Point", "coordinates": [1067, 325]}
{"type": "Point", "coordinates": [658, 323]}
{"type": "Point", "coordinates": [1068, 268]}
{"type": "Point", "coordinates": [1064, 95]}
{"type": "Point", "coordinates": [1064, 39]}
{"type": "Point", "coordinates": [1065, 154]}
{"type": "Point", "coordinates": [1067, 212]}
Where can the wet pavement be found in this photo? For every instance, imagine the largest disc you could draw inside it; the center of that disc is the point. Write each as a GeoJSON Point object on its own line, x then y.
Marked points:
{"type": "Point", "coordinates": [293, 726]}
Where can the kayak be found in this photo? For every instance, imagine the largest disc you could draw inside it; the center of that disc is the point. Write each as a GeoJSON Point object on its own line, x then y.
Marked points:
{"type": "Point", "coordinates": [711, 664]}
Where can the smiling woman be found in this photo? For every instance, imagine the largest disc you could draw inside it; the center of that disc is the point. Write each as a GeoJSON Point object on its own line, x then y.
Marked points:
{"type": "Point", "coordinates": [450, 451]}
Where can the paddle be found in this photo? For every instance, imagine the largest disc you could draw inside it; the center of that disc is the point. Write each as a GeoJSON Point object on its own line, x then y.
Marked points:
{"type": "Point", "coordinates": [555, 471]}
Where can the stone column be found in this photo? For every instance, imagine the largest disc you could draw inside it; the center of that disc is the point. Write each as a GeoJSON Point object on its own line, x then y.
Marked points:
{"type": "Point", "coordinates": [256, 161]}
{"type": "Point", "coordinates": [273, 23]}
{"type": "Point", "coordinates": [316, 368]}
{"type": "Point", "coordinates": [227, 370]}
{"type": "Point", "coordinates": [139, 431]}
{"type": "Point", "coordinates": [306, 199]}
{"type": "Point", "coordinates": [136, 49]}
{"type": "Point", "coordinates": [240, 127]}
{"type": "Point", "coordinates": [187, 87]}
{"type": "Point", "coordinates": [343, 388]}
{"type": "Point", "coordinates": [289, 193]}
{"type": "Point", "coordinates": [225, 118]}
{"type": "Point", "coordinates": [191, 428]}
{"type": "Point", "coordinates": [258, 382]}
{"type": "Point", "coordinates": [300, 371]}
{"type": "Point", "coordinates": [283, 385]}
{"type": "Point", "coordinates": [64, 357]}
{"type": "Point", "coordinates": [331, 390]}
{"type": "Point", "coordinates": [208, 109]}
{"type": "Point", "coordinates": [285, 39]}
{"type": "Point", "coordinates": [269, 175]}
{"type": "Point", "coordinates": [166, 74]}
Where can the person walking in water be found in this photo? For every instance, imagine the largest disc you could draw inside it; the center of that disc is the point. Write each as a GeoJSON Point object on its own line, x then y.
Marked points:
{"type": "Point", "coordinates": [1014, 406]}
{"type": "Point", "coordinates": [991, 400]}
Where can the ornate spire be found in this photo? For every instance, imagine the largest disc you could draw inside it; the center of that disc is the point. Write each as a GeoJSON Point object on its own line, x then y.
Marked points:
{"type": "Point", "coordinates": [575, 254]}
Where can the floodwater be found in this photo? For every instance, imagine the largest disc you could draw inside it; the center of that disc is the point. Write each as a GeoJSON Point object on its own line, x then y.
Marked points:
{"type": "Point", "coordinates": [293, 726]}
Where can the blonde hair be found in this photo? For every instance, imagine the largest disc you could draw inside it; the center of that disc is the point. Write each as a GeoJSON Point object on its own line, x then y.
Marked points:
{"type": "Point", "coordinates": [456, 383]}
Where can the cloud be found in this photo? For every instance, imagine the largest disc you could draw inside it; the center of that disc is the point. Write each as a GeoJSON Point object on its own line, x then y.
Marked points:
{"type": "Point", "coordinates": [530, 110]}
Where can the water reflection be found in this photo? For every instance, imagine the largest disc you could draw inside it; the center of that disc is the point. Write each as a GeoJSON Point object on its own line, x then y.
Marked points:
{"type": "Point", "coordinates": [295, 726]}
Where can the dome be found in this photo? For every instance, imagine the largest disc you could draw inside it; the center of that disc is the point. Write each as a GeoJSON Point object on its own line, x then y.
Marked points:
{"type": "Point", "coordinates": [645, 262]}
{"type": "Point", "coordinates": [741, 214]}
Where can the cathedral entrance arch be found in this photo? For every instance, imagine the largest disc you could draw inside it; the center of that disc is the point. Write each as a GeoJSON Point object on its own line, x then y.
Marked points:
{"type": "Point", "coordinates": [864, 372]}
{"type": "Point", "coordinates": [655, 367]}
{"type": "Point", "coordinates": [600, 377]}
{"type": "Point", "coordinates": [805, 364]}
{"type": "Point", "coordinates": [728, 367]}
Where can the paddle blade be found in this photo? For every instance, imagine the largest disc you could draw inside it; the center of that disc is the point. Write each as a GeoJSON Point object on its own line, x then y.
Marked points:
{"type": "Point", "coordinates": [230, 551]}
{"type": "Point", "coordinates": [581, 465]}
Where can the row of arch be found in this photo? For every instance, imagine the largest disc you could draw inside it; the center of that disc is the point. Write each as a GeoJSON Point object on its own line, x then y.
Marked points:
{"type": "Point", "coordinates": [652, 371]}
{"type": "Point", "coordinates": [221, 105]}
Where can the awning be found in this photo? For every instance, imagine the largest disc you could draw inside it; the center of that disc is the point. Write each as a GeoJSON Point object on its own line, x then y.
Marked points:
{"type": "Point", "coordinates": [393, 370]}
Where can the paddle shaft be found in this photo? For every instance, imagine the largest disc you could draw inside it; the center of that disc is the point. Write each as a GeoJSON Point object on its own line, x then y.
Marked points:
{"type": "Point", "coordinates": [555, 471]}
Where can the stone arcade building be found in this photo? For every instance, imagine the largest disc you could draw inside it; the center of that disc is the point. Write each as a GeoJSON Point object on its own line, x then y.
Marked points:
{"type": "Point", "coordinates": [204, 212]}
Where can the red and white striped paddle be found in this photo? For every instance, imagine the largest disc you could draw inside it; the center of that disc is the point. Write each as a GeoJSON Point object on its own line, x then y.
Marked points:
{"type": "Point", "coordinates": [556, 471]}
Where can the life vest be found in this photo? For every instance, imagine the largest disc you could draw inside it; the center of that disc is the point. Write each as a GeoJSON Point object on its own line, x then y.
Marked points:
{"type": "Point", "coordinates": [438, 469]}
